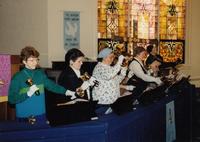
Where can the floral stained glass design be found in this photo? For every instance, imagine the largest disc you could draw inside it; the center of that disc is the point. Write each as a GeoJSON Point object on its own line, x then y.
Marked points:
{"type": "Point", "coordinates": [172, 50]}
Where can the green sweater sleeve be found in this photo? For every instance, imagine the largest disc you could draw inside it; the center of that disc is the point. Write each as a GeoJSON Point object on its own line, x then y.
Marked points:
{"type": "Point", "coordinates": [52, 86]}
{"type": "Point", "coordinates": [14, 95]}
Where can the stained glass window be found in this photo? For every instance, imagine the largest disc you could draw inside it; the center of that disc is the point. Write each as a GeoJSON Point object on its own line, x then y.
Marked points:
{"type": "Point", "coordinates": [172, 19]}
{"type": "Point", "coordinates": [144, 13]}
{"type": "Point", "coordinates": [112, 18]}
{"type": "Point", "coordinates": [172, 29]}
{"type": "Point", "coordinates": [143, 22]}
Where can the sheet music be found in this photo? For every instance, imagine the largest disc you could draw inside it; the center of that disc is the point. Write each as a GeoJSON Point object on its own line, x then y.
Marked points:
{"type": "Point", "coordinates": [72, 102]}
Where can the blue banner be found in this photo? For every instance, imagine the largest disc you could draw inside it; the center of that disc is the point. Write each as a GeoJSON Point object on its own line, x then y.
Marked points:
{"type": "Point", "coordinates": [71, 29]}
{"type": "Point", "coordinates": [170, 122]}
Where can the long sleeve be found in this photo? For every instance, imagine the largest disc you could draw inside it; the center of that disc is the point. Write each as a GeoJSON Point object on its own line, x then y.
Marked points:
{"type": "Point", "coordinates": [121, 76]}
{"type": "Point", "coordinates": [136, 68]}
{"type": "Point", "coordinates": [15, 94]}
{"type": "Point", "coordinates": [52, 86]}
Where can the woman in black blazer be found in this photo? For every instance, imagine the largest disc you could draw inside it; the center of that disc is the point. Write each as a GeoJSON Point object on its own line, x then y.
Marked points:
{"type": "Point", "coordinates": [70, 77]}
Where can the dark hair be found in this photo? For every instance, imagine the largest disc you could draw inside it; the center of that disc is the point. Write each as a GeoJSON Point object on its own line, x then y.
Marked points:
{"type": "Point", "coordinates": [138, 50]}
{"type": "Point", "coordinates": [118, 39]}
{"type": "Point", "coordinates": [151, 59]}
{"type": "Point", "coordinates": [149, 48]}
{"type": "Point", "coordinates": [27, 52]}
{"type": "Point", "coordinates": [72, 54]}
{"type": "Point", "coordinates": [159, 58]}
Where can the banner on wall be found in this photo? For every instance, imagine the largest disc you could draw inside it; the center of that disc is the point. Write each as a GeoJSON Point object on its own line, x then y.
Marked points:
{"type": "Point", "coordinates": [71, 29]}
{"type": "Point", "coordinates": [5, 74]}
{"type": "Point", "coordinates": [170, 122]}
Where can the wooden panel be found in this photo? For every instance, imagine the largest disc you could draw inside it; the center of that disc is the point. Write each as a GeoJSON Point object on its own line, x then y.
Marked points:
{"type": "Point", "coordinates": [3, 111]}
{"type": "Point", "coordinates": [14, 68]}
{"type": "Point", "coordinates": [15, 59]}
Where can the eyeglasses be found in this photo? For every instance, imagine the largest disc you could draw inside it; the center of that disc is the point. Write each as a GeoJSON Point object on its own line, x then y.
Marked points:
{"type": "Point", "coordinates": [33, 60]}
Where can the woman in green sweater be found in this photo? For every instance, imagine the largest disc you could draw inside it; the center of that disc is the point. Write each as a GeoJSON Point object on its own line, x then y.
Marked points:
{"type": "Point", "coordinates": [27, 88]}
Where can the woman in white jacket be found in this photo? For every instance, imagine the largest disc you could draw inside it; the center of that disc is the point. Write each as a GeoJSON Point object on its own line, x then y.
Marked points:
{"type": "Point", "coordinates": [109, 77]}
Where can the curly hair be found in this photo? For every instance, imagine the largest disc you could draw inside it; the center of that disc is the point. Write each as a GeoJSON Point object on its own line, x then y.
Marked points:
{"type": "Point", "coordinates": [27, 52]}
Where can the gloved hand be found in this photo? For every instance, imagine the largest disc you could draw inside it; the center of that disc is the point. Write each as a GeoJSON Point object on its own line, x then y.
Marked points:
{"type": "Point", "coordinates": [93, 81]}
{"type": "Point", "coordinates": [158, 81]}
{"type": "Point", "coordinates": [120, 59]}
{"type": "Point", "coordinates": [123, 71]}
{"type": "Point", "coordinates": [70, 93]}
{"type": "Point", "coordinates": [32, 90]}
{"type": "Point", "coordinates": [85, 85]}
{"type": "Point", "coordinates": [129, 87]}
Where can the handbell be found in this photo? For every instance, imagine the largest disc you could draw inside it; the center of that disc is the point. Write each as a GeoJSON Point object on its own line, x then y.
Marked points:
{"type": "Point", "coordinates": [31, 120]}
{"type": "Point", "coordinates": [126, 60]}
{"type": "Point", "coordinates": [80, 92]}
{"type": "Point", "coordinates": [30, 83]}
{"type": "Point", "coordinates": [85, 76]}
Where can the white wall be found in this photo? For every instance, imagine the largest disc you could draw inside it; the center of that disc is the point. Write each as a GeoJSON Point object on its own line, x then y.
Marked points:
{"type": "Point", "coordinates": [88, 27]}
{"type": "Point", "coordinates": [23, 22]}
{"type": "Point", "coordinates": [40, 23]}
